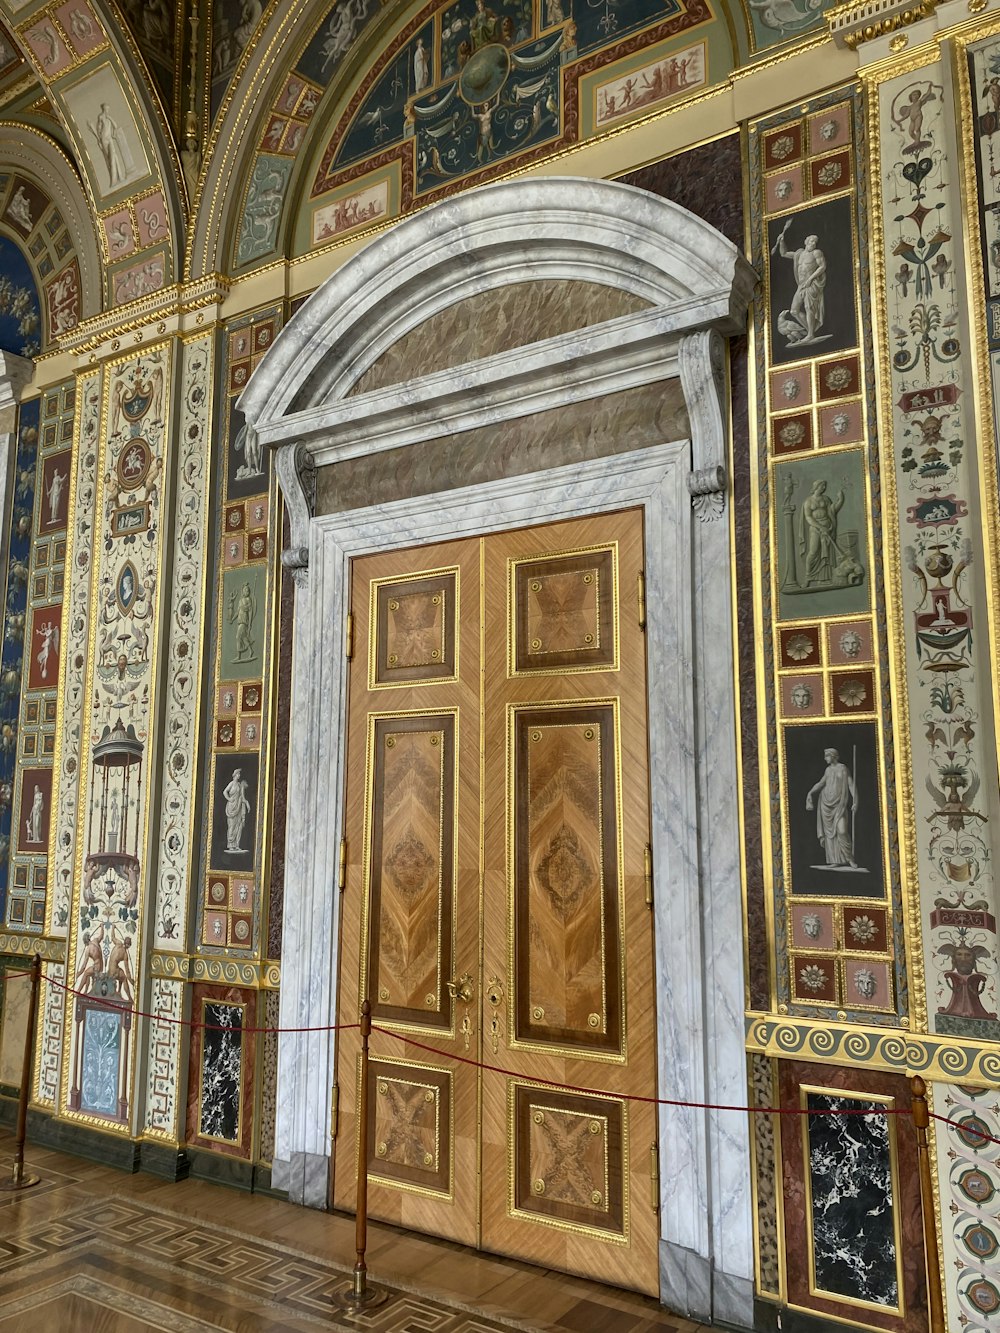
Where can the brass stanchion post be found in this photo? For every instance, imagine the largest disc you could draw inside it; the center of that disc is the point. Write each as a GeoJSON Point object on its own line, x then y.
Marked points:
{"type": "Point", "coordinates": [18, 1180]}
{"type": "Point", "coordinates": [359, 1296]}
{"type": "Point", "coordinates": [921, 1123]}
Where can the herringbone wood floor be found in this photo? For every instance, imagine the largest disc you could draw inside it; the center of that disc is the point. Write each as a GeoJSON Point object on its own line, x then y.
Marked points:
{"type": "Point", "coordinates": [93, 1250]}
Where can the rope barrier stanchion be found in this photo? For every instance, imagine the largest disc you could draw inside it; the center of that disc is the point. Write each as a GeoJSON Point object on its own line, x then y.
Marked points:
{"type": "Point", "coordinates": [359, 1296]}
{"type": "Point", "coordinates": [921, 1122]}
{"type": "Point", "coordinates": [18, 1180]}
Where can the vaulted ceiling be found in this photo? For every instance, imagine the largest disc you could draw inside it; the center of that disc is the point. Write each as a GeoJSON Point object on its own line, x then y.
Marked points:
{"type": "Point", "coordinates": [204, 138]}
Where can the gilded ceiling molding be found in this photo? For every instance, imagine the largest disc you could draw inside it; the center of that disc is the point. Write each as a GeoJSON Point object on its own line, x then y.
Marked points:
{"type": "Point", "coordinates": [863, 20]}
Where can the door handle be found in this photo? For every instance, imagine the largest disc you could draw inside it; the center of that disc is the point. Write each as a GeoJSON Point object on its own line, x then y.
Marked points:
{"type": "Point", "coordinates": [461, 988]}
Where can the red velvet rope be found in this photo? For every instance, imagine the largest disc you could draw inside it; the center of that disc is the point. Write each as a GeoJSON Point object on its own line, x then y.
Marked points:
{"type": "Point", "coordinates": [508, 1073]}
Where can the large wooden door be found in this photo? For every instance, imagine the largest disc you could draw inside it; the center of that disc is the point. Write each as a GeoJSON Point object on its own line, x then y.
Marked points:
{"type": "Point", "coordinates": [495, 907]}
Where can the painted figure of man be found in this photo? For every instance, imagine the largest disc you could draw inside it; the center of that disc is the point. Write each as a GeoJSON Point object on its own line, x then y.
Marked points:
{"type": "Point", "coordinates": [119, 967]}
{"type": "Point", "coordinates": [242, 611]}
{"type": "Point", "coordinates": [237, 809]}
{"type": "Point", "coordinates": [92, 958]}
{"type": "Point", "coordinates": [113, 146]}
{"type": "Point", "coordinates": [54, 491]}
{"type": "Point", "coordinates": [421, 67]}
{"type": "Point", "coordinates": [838, 797]}
{"type": "Point", "coordinates": [483, 26]}
{"type": "Point", "coordinates": [49, 635]}
{"type": "Point", "coordinates": [802, 321]}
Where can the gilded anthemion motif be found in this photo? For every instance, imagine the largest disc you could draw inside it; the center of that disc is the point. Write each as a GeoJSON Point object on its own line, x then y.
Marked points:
{"type": "Point", "coordinates": [837, 911]}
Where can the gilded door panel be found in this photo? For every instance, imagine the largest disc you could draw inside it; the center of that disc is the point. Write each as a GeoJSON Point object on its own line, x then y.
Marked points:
{"type": "Point", "coordinates": [410, 893]}
{"type": "Point", "coordinates": [410, 906]}
{"type": "Point", "coordinates": [568, 1166]}
{"type": "Point", "coordinates": [409, 1125]}
{"type": "Point", "coordinates": [566, 965]}
{"type": "Point", "coordinates": [568, 961]}
{"type": "Point", "coordinates": [415, 629]}
{"type": "Point", "coordinates": [563, 611]}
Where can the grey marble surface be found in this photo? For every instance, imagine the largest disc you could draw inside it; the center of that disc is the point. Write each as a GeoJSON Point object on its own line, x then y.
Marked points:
{"type": "Point", "coordinates": [532, 230]}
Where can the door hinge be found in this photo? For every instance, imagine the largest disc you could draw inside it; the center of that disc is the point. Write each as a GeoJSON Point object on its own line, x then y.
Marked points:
{"type": "Point", "coordinates": [349, 637]}
{"type": "Point", "coordinates": [654, 1175]}
{"type": "Point", "coordinates": [334, 1110]}
{"type": "Point", "coordinates": [641, 594]}
{"type": "Point", "coordinates": [342, 868]}
{"type": "Point", "coordinates": [647, 873]}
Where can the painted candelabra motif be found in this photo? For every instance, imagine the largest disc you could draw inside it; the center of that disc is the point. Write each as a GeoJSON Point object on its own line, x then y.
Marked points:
{"type": "Point", "coordinates": [112, 860]}
{"type": "Point", "coordinates": [108, 926]}
{"type": "Point", "coordinates": [928, 377]}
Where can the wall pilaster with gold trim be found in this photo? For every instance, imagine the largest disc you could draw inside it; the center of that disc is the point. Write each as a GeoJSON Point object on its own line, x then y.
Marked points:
{"type": "Point", "coordinates": [115, 861]}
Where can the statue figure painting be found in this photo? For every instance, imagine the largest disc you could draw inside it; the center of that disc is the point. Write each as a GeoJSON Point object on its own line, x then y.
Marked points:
{"type": "Point", "coordinates": [801, 323]}
{"type": "Point", "coordinates": [835, 800]}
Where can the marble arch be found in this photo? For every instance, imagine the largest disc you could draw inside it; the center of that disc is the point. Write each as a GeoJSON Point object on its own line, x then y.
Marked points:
{"type": "Point", "coordinates": [687, 288]}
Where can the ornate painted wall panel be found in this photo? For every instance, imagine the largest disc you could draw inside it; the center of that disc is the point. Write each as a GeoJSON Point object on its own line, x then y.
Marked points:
{"type": "Point", "coordinates": [113, 863]}
{"type": "Point", "coordinates": [178, 852]}
{"type": "Point", "coordinates": [835, 895]}
{"type": "Point", "coordinates": [935, 553]}
{"type": "Point", "coordinates": [969, 1182]}
{"type": "Point", "coordinates": [17, 909]}
{"type": "Point", "coordinates": [464, 92]}
{"type": "Point", "coordinates": [233, 892]}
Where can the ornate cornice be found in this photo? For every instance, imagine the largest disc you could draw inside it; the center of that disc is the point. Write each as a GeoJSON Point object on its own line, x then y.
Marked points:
{"type": "Point", "coordinates": [863, 20]}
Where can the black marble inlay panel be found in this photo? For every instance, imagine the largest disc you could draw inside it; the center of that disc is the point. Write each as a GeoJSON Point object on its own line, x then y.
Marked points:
{"type": "Point", "coordinates": [850, 1176]}
{"type": "Point", "coordinates": [221, 1061]}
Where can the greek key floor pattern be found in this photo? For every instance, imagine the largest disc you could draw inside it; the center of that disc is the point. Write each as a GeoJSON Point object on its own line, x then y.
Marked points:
{"type": "Point", "coordinates": [93, 1250]}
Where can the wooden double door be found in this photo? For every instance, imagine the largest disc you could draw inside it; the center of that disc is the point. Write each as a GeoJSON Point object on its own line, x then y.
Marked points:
{"type": "Point", "coordinates": [496, 904]}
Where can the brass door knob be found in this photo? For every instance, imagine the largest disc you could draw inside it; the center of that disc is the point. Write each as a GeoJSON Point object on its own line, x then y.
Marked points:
{"type": "Point", "coordinates": [461, 988]}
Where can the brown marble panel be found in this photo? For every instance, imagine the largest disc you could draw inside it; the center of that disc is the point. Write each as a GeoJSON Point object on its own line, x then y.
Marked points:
{"type": "Point", "coordinates": [497, 321]}
{"type": "Point", "coordinates": [596, 428]}
{"type": "Point", "coordinates": [791, 1075]}
{"type": "Point", "coordinates": [707, 180]}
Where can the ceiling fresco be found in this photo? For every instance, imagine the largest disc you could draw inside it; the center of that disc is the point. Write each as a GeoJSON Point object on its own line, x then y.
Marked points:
{"type": "Point", "coordinates": [85, 57]}
{"type": "Point", "coordinates": [469, 90]}
{"type": "Point", "coordinates": [367, 111]}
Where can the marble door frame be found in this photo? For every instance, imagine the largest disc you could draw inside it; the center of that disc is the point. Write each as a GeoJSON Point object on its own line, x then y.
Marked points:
{"type": "Point", "coordinates": [298, 402]}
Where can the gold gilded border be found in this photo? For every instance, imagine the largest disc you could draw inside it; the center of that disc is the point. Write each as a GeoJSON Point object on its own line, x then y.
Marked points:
{"type": "Point", "coordinates": [876, 1099]}
{"type": "Point", "coordinates": [548, 1049]}
{"type": "Point", "coordinates": [892, 573]}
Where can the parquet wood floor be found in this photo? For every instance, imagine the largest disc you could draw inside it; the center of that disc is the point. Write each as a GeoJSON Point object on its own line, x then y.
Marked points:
{"type": "Point", "coordinates": [93, 1250]}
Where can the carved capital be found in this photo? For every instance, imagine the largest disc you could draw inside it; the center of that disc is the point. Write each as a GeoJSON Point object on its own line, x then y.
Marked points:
{"type": "Point", "coordinates": [296, 472]}
{"type": "Point", "coordinates": [296, 560]}
{"type": "Point", "coordinates": [707, 488]}
{"type": "Point", "coordinates": [702, 359]}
